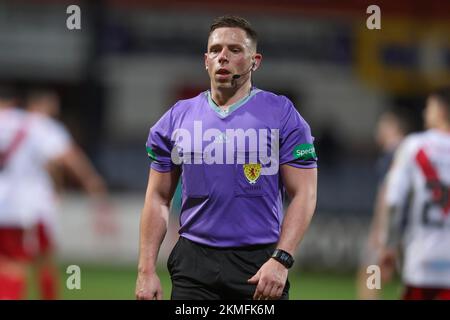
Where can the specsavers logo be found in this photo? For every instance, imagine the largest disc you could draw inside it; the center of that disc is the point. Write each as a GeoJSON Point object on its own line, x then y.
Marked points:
{"type": "Point", "coordinates": [151, 154]}
{"type": "Point", "coordinates": [304, 151]}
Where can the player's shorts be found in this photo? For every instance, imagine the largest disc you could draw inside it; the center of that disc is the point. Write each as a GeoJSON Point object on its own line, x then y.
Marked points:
{"type": "Point", "coordinates": [14, 243]}
{"type": "Point", "coordinates": [200, 272]}
{"type": "Point", "coordinates": [417, 293]}
{"type": "Point", "coordinates": [44, 239]}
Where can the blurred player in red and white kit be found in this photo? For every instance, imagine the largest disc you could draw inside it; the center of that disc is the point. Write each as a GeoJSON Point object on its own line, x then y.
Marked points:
{"type": "Point", "coordinates": [30, 143]}
{"type": "Point", "coordinates": [27, 145]}
{"type": "Point", "coordinates": [45, 104]}
{"type": "Point", "coordinates": [420, 180]}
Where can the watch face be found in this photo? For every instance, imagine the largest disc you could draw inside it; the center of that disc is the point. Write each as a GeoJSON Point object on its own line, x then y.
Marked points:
{"type": "Point", "coordinates": [284, 258]}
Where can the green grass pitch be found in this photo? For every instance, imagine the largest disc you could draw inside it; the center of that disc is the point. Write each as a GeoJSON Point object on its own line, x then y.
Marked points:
{"type": "Point", "coordinates": [103, 282]}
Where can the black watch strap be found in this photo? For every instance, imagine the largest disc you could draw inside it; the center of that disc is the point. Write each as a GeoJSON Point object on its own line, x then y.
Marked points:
{"type": "Point", "coordinates": [283, 257]}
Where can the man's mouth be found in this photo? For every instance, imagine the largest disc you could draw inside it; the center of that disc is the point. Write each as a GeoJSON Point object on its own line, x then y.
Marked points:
{"type": "Point", "coordinates": [223, 71]}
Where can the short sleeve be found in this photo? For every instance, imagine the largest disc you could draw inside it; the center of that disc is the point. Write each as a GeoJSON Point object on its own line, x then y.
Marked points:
{"type": "Point", "coordinates": [399, 176]}
{"type": "Point", "coordinates": [54, 139]}
{"type": "Point", "coordinates": [296, 142]}
{"type": "Point", "coordinates": [159, 145]}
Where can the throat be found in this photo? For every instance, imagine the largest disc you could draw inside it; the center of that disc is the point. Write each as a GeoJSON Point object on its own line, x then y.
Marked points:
{"type": "Point", "coordinates": [224, 100]}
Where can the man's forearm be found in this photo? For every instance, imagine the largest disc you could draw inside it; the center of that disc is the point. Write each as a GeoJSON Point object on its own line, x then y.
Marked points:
{"type": "Point", "coordinates": [76, 161]}
{"type": "Point", "coordinates": [296, 221]}
{"type": "Point", "coordinates": [393, 227]}
{"type": "Point", "coordinates": [153, 229]}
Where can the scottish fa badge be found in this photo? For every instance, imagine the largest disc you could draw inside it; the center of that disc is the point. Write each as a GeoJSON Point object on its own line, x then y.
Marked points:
{"type": "Point", "coordinates": [252, 172]}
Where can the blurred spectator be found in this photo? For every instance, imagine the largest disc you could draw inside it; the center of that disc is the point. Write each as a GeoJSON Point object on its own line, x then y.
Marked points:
{"type": "Point", "coordinates": [392, 126]}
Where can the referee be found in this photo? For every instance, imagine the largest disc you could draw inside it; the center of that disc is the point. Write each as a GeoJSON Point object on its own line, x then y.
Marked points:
{"type": "Point", "coordinates": [238, 149]}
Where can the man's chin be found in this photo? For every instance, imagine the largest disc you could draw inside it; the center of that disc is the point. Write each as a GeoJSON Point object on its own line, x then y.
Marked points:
{"type": "Point", "coordinates": [224, 85]}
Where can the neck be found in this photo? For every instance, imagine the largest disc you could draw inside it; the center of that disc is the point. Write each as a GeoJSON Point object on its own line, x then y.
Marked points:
{"type": "Point", "coordinates": [227, 96]}
{"type": "Point", "coordinates": [392, 143]}
{"type": "Point", "coordinates": [443, 127]}
{"type": "Point", "coordinates": [5, 105]}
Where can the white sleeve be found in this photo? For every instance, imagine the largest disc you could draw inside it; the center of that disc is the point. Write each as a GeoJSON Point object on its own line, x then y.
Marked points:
{"type": "Point", "coordinates": [55, 140]}
{"type": "Point", "coordinates": [400, 174]}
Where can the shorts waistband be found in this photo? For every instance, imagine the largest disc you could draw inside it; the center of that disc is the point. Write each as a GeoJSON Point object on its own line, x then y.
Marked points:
{"type": "Point", "coordinates": [259, 246]}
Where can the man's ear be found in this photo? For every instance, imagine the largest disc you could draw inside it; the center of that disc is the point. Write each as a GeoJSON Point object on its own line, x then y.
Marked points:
{"type": "Point", "coordinates": [257, 58]}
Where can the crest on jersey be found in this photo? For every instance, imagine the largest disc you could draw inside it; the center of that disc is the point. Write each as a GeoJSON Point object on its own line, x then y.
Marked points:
{"type": "Point", "coordinates": [252, 171]}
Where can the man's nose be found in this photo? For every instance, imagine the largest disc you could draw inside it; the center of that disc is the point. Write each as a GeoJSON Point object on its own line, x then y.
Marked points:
{"type": "Point", "coordinates": [223, 56]}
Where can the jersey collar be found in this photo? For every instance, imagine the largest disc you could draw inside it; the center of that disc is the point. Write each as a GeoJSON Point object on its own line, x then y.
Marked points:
{"type": "Point", "coordinates": [222, 113]}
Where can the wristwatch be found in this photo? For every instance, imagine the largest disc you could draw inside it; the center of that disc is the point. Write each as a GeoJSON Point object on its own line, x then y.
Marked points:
{"type": "Point", "coordinates": [283, 257]}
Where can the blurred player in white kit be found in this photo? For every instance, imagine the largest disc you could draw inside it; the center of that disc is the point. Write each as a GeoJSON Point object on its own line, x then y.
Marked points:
{"type": "Point", "coordinates": [27, 145]}
{"type": "Point", "coordinates": [31, 143]}
{"type": "Point", "coordinates": [45, 103]}
{"type": "Point", "coordinates": [419, 182]}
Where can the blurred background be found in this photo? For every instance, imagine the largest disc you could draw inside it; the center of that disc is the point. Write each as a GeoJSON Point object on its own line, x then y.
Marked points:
{"type": "Point", "coordinates": [133, 59]}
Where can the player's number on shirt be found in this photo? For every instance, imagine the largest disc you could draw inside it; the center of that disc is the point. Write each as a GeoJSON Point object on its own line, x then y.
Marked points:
{"type": "Point", "coordinates": [430, 221]}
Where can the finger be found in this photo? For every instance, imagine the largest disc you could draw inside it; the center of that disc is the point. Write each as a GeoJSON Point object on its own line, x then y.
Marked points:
{"type": "Point", "coordinates": [259, 290]}
{"type": "Point", "coordinates": [266, 292]}
{"type": "Point", "coordinates": [159, 295]}
{"type": "Point", "coordinates": [254, 279]}
{"type": "Point", "coordinates": [257, 294]}
{"type": "Point", "coordinates": [273, 294]}
{"type": "Point", "coordinates": [140, 296]}
{"type": "Point", "coordinates": [279, 293]}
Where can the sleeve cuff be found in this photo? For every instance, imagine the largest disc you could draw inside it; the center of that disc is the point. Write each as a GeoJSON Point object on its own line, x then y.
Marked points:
{"type": "Point", "coordinates": [161, 167]}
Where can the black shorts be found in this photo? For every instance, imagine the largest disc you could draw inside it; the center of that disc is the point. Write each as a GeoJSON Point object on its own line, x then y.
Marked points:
{"type": "Point", "coordinates": [200, 272]}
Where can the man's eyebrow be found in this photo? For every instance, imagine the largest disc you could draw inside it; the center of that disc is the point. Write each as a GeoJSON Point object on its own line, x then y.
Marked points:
{"type": "Point", "coordinates": [229, 45]}
{"type": "Point", "coordinates": [214, 45]}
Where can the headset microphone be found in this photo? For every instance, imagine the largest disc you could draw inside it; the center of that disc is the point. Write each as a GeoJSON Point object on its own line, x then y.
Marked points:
{"type": "Point", "coordinates": [237, 76]}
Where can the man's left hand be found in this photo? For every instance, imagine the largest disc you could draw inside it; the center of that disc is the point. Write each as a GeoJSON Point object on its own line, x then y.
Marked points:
{"type": "Point", "coordinates": [270, 280]}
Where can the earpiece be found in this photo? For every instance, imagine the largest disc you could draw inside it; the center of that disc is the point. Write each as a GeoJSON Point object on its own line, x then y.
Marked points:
{"type": "Point", "coordinates": [252, 68]}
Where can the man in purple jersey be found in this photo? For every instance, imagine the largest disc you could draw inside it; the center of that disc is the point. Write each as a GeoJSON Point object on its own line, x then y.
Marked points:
{"type": "Point", "coordinates": [237, 149]}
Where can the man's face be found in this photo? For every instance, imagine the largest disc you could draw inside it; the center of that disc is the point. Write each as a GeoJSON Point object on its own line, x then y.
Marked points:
{"type": "Point", "coordinates": [387, 127]}
{"type": "Point", "coordinates": [432, 112]}
{"type": "Point", "coordinates": [48, 105]}
{"type": "Point", "coordinates": [230, 52]}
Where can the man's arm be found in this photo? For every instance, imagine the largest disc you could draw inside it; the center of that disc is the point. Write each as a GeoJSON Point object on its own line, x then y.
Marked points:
{"type": "Point", "coordinates": [153, 228]}
{"type": "Point", "coordinates": [391, 245]}
{"type": "Point", "coordinates": [398, 188]}
{"type": "Point", "coordinates": [301, 186]}
{"type": "Point", "coordinates": [77, 163]}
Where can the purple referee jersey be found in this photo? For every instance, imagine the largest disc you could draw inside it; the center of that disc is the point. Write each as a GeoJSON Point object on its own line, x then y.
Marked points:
{"type": "Point", "coordinates": [231, 185]}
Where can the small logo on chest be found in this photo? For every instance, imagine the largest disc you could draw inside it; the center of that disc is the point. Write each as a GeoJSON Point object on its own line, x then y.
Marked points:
{"type": "Point", "coordinates": [252, 171]}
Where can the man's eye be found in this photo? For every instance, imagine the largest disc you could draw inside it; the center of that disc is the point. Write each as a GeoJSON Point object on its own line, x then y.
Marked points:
{"type": "Point", "coordinates": [236, 50]}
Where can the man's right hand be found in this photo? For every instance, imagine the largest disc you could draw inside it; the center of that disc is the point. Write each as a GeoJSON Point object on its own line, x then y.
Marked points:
{"type": "Point", "coordinates": [388, 259]}
{"type": "Point", "coordinates": [148, 287]}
